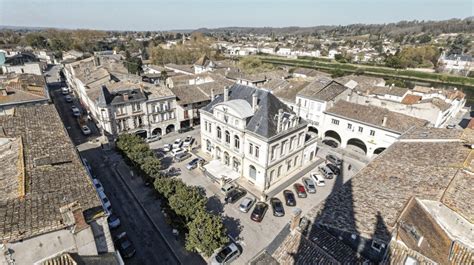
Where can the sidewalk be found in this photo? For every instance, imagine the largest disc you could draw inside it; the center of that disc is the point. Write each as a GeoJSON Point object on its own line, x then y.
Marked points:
{"type": "Point", "coordinates": [284, 183]}
{"type": "Point", "coordinates": [151, 205]}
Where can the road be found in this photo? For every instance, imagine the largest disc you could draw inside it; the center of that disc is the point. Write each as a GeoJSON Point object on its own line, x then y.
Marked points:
{"type": "Point", "coordinates": [151, 247]}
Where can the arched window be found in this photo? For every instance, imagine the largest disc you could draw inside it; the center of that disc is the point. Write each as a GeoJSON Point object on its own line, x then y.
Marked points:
{"type": "Point", "coordinates": [208, 145]}
{"type": "Point", "coordinates": [236, 142]}
{"type": "Point", "coordinates": [227, 137]}
{"type": "Point", "coordinates": [252, 172]}
{"type": "Point", "coordinates": [226, 159]}
{"type": "Point", "coordinates": [219, 132]}
{"type": "Point", "coordinates": [236, 164]}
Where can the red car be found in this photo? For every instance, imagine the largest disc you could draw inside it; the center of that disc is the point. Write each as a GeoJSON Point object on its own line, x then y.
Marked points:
{"type": "Point", "coordinates": [300, 190]}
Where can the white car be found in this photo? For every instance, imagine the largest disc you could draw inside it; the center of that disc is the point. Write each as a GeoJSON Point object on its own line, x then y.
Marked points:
{"type": "Point", "coordinates": [177, 143]}
{"type": "Point", "coordinates": [105, 202]}
{"type": "Point", "coordinates": [167, 147]}
{"type": "Point", "coordinates": [246, 204]}
{"type": "Point", "coordinates": [85, 130]}
{"type": "Point", "coordinates": [188, 141]}
{"type": "Point", "coordinates": [98, 185]}
{"type": "Point", "coordinates": [318, 179]}
{"type": "Point", "coordinates": [64, 90]}
{"type": "Point", "coordinates": [225, 255]}
{"type": "Point", "coordinates": [176, 151]}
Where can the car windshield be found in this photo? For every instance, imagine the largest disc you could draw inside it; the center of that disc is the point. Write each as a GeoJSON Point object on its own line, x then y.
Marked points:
{"type": "Point", "coordinates": [223, 254]}
{"type": "Point", "coordinates": [277, 204]}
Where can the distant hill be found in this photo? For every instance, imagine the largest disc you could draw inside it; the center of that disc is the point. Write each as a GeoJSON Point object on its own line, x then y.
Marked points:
{"type": "Point", "coordinates": [390, 29]}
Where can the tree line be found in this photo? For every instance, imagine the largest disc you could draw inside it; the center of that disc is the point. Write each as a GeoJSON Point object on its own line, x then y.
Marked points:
{"type": "Point", "coordinates": [184, 205]}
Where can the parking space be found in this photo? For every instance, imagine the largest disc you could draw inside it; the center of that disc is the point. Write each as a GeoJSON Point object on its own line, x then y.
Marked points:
{"type": "Point", "coordinates": [253, 236]}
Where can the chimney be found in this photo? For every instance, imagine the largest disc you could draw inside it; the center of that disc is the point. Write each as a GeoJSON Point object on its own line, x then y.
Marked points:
{"type": "Point", "coordinates": [384, 121]}
{"type": "Point", "coordinates": [295, 219]}
{"type": "Point", "coordinates": [212, 94]}
{"type": "Point", "coordinates": [280, 117]}
{"type": "Point", "coordinates": [125, 96]}
{"type": "Point", "coordinates": [226, 93]}
{"type": "Point", "coordinates": [348, 98]}
{"type": "Point", "coordinates": [254, 102]}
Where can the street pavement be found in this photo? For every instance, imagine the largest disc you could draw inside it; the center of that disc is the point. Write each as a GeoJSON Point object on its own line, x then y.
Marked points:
{"type": "Point", "coordinates": [135, 204]}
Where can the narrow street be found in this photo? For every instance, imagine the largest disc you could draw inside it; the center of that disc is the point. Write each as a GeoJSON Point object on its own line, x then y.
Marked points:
{"type": "Point", "coordinates": [151, 246]}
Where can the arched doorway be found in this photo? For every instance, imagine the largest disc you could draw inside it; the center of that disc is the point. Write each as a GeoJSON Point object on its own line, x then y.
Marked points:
{"type": "Point", "coordinates": [170, 128]}
{"type": "Point", "coordinates": [156, 131]}
{"type": "Point", "coordinates": [357, 146]}
{"type": "Point", "coordinates": [208, 145]}
{"type": "Point", "coordinates": [141, 133]}
{"type": "Point", "coordinates": [379, 150]}
{"type": "Point", "coordinates": [235, 164]}
{"type": "Point", "coordinates": [252, 172]}
{"type": "Point", "coordinates": [332, 135]}
{"type": "Point", "coordinates": [218, 153]}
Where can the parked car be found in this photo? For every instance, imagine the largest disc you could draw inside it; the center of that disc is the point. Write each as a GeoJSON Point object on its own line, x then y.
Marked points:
{"type": "Point", "coordinates": [177, 151]}
{"type": "Point", "coordinates": [234, 195]}
{"type": "Point", "coordinates": [193, 164]}
{"type": "Point", "coordinates": [318, 179]}
{"type": "Point", "coordinates": [246, 204]}
{"type": "Point", "coordinates": [124, 245]}
{"type": "Point", "coordinates": [309, 185]}
{"type": "Point", "coordinates": [334, 159]}
{"type": "Point", "coordinates": [152, 138]}
{"type": "Point", "coordinates": [188, 141]}
{"type": "Point", "coordinates": [167, 147]}
{"type": "Point", "coordinates": [75, 111]}
{"type": "Point", "coordinates": [177, 143]}
{"type": "Point", "coordinates": [259, 211]}
{"type": "Point", "coordinates": [98, 185]}
{"type": "Point", "coordinates": [68, 98]}
{"type": "Point", "coordinates": [171, 172]}
{"type": "Point", "coordinates": [300, 191]}
{"type": "Point", "coordinates": [225, 255]}
{"type": "Point", "coordinates": [185, 129]}
{"type": "Point", "coordinates": [327, 172]}
{"type": "Point", "coordinates": [85, 130]}
{"type": "Point", "coordinates": [330, 143]}
{"type": "Point", "coordinates": [227, 187]}
{"type": "Point", "coordinates": [113, 221]}
{"type": "Point", "coordinates": [334, 169]}
{"type": "Point", "coordinates": [290, 199]}
{"type": "Point", "coordinates": [105, 202]}
{"type": "Point", "coordinates": [277, 207]}
{"type": "Point", "coordinates": [181, 157]}
{"type": "Point", "coordinates": [64, 90]}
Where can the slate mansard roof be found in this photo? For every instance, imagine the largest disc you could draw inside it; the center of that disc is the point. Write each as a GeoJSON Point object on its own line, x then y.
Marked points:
{"type": "Point", "coordinates": [263, 122]}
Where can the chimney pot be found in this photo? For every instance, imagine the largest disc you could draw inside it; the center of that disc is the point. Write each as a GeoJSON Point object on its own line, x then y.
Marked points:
{"type": "Point", "coordinates": [384, 121]}
{"type": "Point", "coordinates": [254, 102]}
{"type": "Point", "coordinates": [226, 93]}
{"type": "Point", "coordinates": [125, 96]}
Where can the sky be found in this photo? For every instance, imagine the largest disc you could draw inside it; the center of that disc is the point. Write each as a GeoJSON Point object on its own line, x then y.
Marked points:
{"type": "Point", "coordinates": [193, 14]}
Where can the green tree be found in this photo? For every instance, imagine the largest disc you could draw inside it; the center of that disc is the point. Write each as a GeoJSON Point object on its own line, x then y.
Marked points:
{"type": "Point", "coordinates": [336, 72]}
{"type": "Point", "coordinates": [187, 201]}
{"type": "Point", "coordinates": [206, 234]}
{"type": "Point", "coordinates": [167, 187]}
{"type": "Point", "coordinates": [151, 166]}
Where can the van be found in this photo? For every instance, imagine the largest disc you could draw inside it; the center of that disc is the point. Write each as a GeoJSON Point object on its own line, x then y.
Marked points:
{"type": "Point", "coordinates": [227, 187]}
{"type": "Point", "coordinates": [327, 172]}
{"type": "Point", "coordinates": [318, 179]}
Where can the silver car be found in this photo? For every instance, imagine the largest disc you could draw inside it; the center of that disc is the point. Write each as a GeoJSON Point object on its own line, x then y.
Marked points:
{"type": "Point", "coordinates": [246, 204]}
{"type": "Point", "coordinates": [309, 185]}
{"type": "Point", "coordinates": [226, 255]}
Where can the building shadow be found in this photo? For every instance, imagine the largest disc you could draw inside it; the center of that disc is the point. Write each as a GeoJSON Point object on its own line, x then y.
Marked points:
{"type": "Point", "coordinates": [334, 230]}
